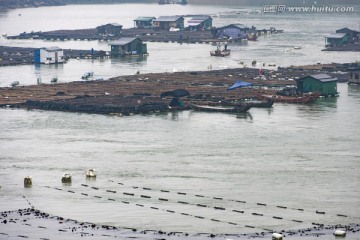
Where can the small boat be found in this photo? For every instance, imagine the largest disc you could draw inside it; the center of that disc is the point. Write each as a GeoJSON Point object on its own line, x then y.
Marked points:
{"type": "Point", "coordinates": [304, 99]}
{"type": "Point", "coordinates": [240, 108]}
{"type": "Point", "coordinates": [220, 53]}
{"type": "Point", "coordinates": [87, 75]}
{"type": "Point", "coordinates": [54, 79]}
{"type": "Point", "coordinates": [255, 103]}
{"type": "Point", "coordinates": [14, 84]}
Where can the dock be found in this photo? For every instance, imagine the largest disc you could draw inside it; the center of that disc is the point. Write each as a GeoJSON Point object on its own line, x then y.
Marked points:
{"type": "Point", "coordinates": [12, 56]}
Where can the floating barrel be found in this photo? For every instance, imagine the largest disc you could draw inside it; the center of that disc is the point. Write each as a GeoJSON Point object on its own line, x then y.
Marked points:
{"type": "Point", "coordinates": [66, 178]}
{"type": "Point", "coordinates": [27, 181]}
{"type": "Point", "coordinates": [339, 233]}
{"type": "Point", "coordinates": [277, 236]}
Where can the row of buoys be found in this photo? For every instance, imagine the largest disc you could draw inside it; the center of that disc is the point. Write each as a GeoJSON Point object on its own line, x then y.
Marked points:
{"type": "Point", "coordinates": [66, 178]}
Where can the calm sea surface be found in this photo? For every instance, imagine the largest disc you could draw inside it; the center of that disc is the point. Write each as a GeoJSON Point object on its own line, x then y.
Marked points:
{"type": "Point", "coordinates": [295, 156]}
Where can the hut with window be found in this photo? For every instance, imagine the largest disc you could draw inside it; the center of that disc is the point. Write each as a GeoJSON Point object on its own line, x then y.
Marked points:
{"type": "Point", "coordinates": [128, 47]}
{"type": "Point", "coordinates": [144, 22]}
{"type": "Point", "coordinates": [336, 39]}
{"type": "Point", "coordinates": [49, 55]}
{"type": "Point", "coordinates": [353, 35]}
{"type": "Point", "coordinates": [111, 29]}
{"type": "Point", "coordinates": [168, 22]}
{"type": "Point", "coordinates": [324, 84]}
{"type": "Point", "coordinates": [200, 23]}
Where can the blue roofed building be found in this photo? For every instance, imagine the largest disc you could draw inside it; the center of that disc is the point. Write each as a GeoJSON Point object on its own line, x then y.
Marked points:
{"type": "Point", "coordinates": [232, 31]}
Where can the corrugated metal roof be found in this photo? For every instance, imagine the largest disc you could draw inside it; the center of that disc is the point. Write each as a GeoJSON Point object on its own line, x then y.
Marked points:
{"type": "Point", "coordinates": [324, 77]}
{"type": "Point", "coordinates": [122, 41]}
{"type": "Point", "coordinates": [336, 35]}
{"type": "Point", "coordinates": [168, 18]}
{"type": "Point", "coordinates": [52, 49]}
{"type": "Point", "coordinates": [144, 19]}
{"type": "Point", "coordinates": [200, 18]}
{"type": "Point", "coordinates": [240, 26]}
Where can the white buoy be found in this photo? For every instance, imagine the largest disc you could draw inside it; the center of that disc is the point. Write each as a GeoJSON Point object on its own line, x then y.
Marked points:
{"type": "Point", "coordinates": [277, 236]}
{"type": "Point", "coordinates": [91, 173]}
{"type": "Point", "coordinates": [66, 178]}
{"type": "Point", "coordinates": [340, 233]}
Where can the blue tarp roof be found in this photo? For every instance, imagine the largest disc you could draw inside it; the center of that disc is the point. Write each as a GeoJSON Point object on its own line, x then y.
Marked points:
{"type": "Point", "coordinates": [239, 84]}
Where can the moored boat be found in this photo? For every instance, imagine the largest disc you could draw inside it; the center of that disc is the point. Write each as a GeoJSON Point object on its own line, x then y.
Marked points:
{"type": "Point", "coordinates": [241, 108]}
{"type": "Point", "coordinates": [254, 103]}
{"type": "Point", "coordinates": [304, 99]}
{"type": "Point", "coordinates": [220, 53]}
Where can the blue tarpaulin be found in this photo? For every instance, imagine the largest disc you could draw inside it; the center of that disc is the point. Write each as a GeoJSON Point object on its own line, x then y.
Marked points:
{"type": "Point", "coordinates": [239, 84]}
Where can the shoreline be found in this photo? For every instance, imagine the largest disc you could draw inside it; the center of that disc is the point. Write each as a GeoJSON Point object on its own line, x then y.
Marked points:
{"type": "Point", "coordinates": [48, 226]}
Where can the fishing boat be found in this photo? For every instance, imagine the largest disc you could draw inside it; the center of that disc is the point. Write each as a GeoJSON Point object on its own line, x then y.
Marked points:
{"type": "Point", "coordinates": [240, 108]}
{"type": "Point", "coordinates": [255, 103]}
{"type": "Point", "coordinates": [304, 99]}
{"type": "Point", "coordinates": [220, 53]}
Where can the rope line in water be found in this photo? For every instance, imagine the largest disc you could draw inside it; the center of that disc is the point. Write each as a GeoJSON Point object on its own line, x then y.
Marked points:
{"type": "Point", "coordinates": [239, 201]}
{"type": "Point", "coordinates": [217, 208]}
{"type": "Point", "coordinates": [159, 209]}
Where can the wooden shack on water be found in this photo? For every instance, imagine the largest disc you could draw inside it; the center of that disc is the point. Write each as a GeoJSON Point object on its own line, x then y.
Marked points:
{"type": "Point", "coordinates": [325, 84]}
{"type": "Point", "coordinates": [168, 22]}
{"type": "Point", "coordinates": [144, 22]}
{"type": "Point", "coordinates": [336, 39]}
{"type": "Point", "coordinates": [197, 23]}
{"type": "Point", "coordinates": [232, 31]}
{"type": "Point", "coordinates": [49, 55]}
{"type": "Point", "coordinates": [112, 29]}
{"type": "Point", "coordinates": [127, 47]}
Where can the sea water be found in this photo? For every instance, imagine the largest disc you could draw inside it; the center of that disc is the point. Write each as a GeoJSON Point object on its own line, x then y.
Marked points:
{"type": "Point", "coordinates": [180, 171]}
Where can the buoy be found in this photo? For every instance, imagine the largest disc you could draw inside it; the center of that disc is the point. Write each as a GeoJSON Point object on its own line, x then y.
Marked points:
{"type": "Point", "coordinates": [27, 181]}
{"type": "Point", "coordinates": [339, 233]}
{"type": "Point", "coordinates": [277, 236]}
{"type": "Point", "coordinates": [66, 178]}
{"type": "Point", "coordinates": [91, 173]}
